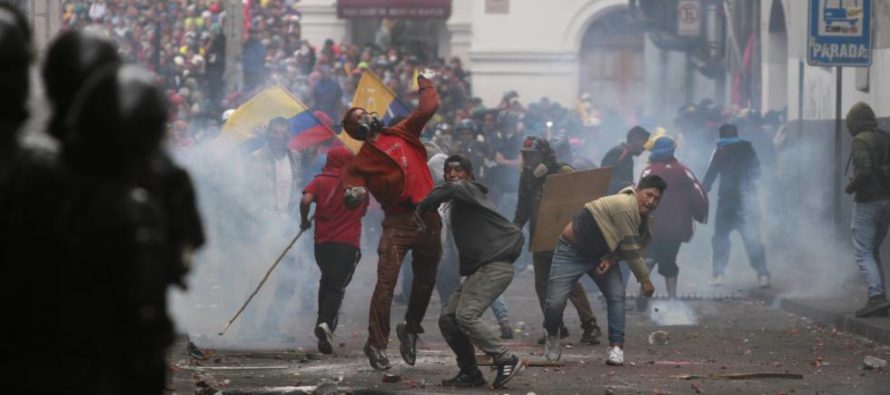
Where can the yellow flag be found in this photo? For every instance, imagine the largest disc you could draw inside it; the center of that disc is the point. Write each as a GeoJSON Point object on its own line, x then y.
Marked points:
{"type": "Point", "coordinates": [252, 116]}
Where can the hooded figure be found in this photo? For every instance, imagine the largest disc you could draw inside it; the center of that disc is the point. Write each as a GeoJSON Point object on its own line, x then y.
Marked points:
{"type": "Point", "coordinates": [870, 151]}
{"type": "Point", "coordinates": [337, 236]}
{"type": "Point", "coordinates": [539, 161]}
{"type": "Point", "coordinates": [871, 215]}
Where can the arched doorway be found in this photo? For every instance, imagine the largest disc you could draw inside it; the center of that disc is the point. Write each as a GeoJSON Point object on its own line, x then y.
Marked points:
{"type": "Point", "coordinates": [612, 67]}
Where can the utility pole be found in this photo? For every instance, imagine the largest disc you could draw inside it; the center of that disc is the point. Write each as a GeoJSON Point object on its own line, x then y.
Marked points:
{"type": "Point", "coordinates": [233, 29]}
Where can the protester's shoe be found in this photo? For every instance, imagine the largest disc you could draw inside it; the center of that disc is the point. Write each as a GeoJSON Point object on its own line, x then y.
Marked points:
{"type": "Point", "coordinates": [876, 306]}
{"type": "Point", "coordinates": [507, 371]}
{"type": "Point", "coordinates": [563, 333]}
{"type": "Point", "coordinates": [408, 346]}
{"type": "Point", "coordinates": [325, 338]}
{"type": "Point", "coordinates": [717, 280]}
{"type": "Point", "coordinates": [465, 380]}
{"type": "Point", "coordinates": [616, 356]}
{"type": "Point", "coordinates": [377, 358]}
{"type": "Point", "coordinates": [764, 281]}
{"type": "Point", "coordinates": [551, 348]}
{"type": "Point", "coordinates": [506, 330]}
{"type": "Point", "coordinates": [642, 302]}
{"type": "Point", "coordinates": [591, 335]}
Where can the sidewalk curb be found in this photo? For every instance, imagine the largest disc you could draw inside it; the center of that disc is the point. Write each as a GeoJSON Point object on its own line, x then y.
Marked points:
{"type": "Point", "coordinates": [848, 323]}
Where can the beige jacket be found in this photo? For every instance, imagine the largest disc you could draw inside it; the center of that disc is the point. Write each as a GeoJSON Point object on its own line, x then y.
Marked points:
{"type": "Point", "coordinates": [626, 232]}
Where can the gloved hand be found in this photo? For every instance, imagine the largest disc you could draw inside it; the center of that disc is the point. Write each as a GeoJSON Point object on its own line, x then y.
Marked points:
{"type": "Point", "coordinates": [354, 196]}
{"type": "Point", "coordinates": [540, 170]}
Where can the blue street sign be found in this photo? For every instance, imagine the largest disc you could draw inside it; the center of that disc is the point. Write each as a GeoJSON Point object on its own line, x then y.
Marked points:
{"type": "Point", "coordinates": [839, 33]}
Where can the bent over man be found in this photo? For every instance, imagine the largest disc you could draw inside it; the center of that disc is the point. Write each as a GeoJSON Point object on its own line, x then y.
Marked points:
{"type": "Point", "coordinates": [606, 230]}
{"type": "Point", "coordinates": [487, 245]}
{"type": "Point", "coordinates": [392, 166]}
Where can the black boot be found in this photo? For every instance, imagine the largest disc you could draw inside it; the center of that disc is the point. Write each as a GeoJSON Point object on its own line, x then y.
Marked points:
{"type": "Point", "coordinates": [876, 306]}
{"type": "Point", "coordinates": [408, 346]}
{"type": "Point", "coordinates": [466, 379]}
{"type": "Point", "coordinates": [591, 334]}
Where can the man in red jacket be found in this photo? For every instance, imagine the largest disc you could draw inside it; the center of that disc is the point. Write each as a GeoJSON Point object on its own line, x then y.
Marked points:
{"type": "Point", "coordinates": [337, 234]}
{"type": "Point", "coordinates": [684, 201]}
{"type": "Point", "coordinates": [392, 166]}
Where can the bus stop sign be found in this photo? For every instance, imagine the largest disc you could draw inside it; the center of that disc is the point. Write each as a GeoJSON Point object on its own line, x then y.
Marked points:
{"type": "Point", "coordinates": [839, 33]}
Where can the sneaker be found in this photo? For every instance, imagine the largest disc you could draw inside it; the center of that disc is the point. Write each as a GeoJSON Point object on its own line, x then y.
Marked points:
{"type": "Point", "coordinates": [408, 346]}
{"type": "Point", "coordinates": [506, 371]}
{"type": "Point", "coordinates": [506, 330]}
{"type": "Point", "coordinates": [764, 281]}
{"type": "Point", "coordinates": [551, 348]}
{"type": "Point", "coordinates": [325, 338]}
{"type": "Point", "coordinates": [465, 380]}
{"type": "Point", "coordinates": [717, 280]}
{"type": "Point", "coordinates": [616, 356]}
{"type": "Point", "coordinates": [876, 306]}
{"type": "Point", "coordinates": [591, 335]}
{"type": "Point", "coordinates": [377, 358]}
{"type": "Point", "coordinates": [563, 333]}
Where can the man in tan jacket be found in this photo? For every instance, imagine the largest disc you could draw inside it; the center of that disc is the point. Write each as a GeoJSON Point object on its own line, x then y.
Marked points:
{"type": "Point", "coordinates": [606, 230]}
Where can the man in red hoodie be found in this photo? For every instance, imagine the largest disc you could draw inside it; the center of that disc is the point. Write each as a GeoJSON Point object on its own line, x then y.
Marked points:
{"type": "Point", "coordinates": [684, 201]}
{"type": "Point", "coordinates": [392, 166]}
{"type": "Point", "coordinates": [337, 234]}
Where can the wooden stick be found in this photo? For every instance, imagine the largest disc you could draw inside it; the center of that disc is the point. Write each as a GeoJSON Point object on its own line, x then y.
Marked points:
{"type": "Point", "coordinates": [263, 281]}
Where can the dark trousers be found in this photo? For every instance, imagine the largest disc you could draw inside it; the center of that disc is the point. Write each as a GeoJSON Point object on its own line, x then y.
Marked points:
{"type": "Point", "coordinates": [664, 254]}
{"type": "Point", "coordinates": [401, 234]}
{"type": "Point", "coordinates": [337, 263]}
{"type": "Point", "coordinates": [743, 216]}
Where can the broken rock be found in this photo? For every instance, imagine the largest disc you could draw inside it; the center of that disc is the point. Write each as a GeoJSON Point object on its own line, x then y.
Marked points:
{"type": "Point", "coordinates": [659, 337]}
{"type": "Point", "coordinates": [391, 378]}
{"type": "Point", "coordinates": [871, 362]}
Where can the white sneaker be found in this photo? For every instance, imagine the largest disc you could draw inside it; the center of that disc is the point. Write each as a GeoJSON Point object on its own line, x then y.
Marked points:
{"type": "Point", "coordinates": [616, 356]}
{"type": "Point", "coordinates": [764, 281]}
{"type": "Point", "coordinates": [551, 348]}
{"type": "Point", "coordinates": [717, 280]}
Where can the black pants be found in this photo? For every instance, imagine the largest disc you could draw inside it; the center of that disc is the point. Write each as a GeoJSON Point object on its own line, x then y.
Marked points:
{"type": "Point", "coordinates": [664, 254]}
{"type": "Point", "coordinates": [337, 262]}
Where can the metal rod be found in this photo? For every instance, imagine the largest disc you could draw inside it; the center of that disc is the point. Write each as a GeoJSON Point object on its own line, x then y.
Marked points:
{"type": "Point", "coordinates": [838, 149]}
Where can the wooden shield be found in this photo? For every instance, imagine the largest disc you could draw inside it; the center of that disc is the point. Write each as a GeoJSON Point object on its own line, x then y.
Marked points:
{"type": "Point", "coordinates": [564, 195]}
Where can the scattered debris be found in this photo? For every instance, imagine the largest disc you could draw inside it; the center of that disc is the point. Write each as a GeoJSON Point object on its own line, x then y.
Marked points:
{"type": "Point", "coordinates": [391, 378]}
{"type": "Point", "coordinates": [195, 352]}
{"type": "Point", "coordinates": [740, 376]}
{"type": "Point", "coordinates": [659, 337]}
{"type": "Point", "coordinates": [326, 387]}
{"type": "Point", "coordinates": [871, 362]}
{"type": "Point", "coordinates": [205, 368]}
{"type": "Point", "coordinates": [696, 386]}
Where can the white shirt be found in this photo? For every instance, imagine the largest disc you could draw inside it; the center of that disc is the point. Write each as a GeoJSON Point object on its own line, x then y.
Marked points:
{"type": "Point", "coordinates": [283, 183]}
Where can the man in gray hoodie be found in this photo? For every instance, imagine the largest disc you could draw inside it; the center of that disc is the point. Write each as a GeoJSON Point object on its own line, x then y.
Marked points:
{"type": "Point", "coordinates": [487, 244]}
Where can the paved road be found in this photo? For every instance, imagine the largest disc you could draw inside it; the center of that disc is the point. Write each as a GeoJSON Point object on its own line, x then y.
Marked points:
{"type": "Point", "coordinates": [727, 337]}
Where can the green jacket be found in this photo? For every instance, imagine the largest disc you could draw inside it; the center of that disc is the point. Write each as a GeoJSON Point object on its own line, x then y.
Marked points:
{"type": "Point", "coordinates": [869, 148]}
{"type": "Point", "coordinates": [626, 231]}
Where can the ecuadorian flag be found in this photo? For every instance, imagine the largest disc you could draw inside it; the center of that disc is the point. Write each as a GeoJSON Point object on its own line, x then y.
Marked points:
{"type": "Point", "coordinates": [248, 122]}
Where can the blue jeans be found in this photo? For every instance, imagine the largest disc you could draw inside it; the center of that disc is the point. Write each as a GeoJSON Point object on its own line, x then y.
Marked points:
{"type": "Point", "coordinates": [870, 223]}
{"type": "Point", "coordinates": [567, 268]}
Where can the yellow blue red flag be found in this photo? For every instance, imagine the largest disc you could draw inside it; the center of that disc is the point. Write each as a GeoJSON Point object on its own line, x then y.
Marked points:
{"type": "Point", "coordinates": [374, 96]}
{"type": "Point", "coordinates": [246, 123]}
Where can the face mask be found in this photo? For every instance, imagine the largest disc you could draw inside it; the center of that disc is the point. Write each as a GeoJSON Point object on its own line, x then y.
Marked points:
{"type": "Point", "coordinates": [367, 124]}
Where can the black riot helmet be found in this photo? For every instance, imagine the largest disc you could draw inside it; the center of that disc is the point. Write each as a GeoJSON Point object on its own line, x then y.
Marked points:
{"type": "Point", "coordinates": [70, 60]}
{"type": "Point", "coordinates": [116, 120]}
{"type": "Point", "coordinates": [15, 60]}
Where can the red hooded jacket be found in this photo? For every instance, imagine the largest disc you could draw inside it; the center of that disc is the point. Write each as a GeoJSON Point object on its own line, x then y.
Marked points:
{"type": "Point", "coordinates": [390, 179]}
{"type": "Point", "coordinates": [683, 201]}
